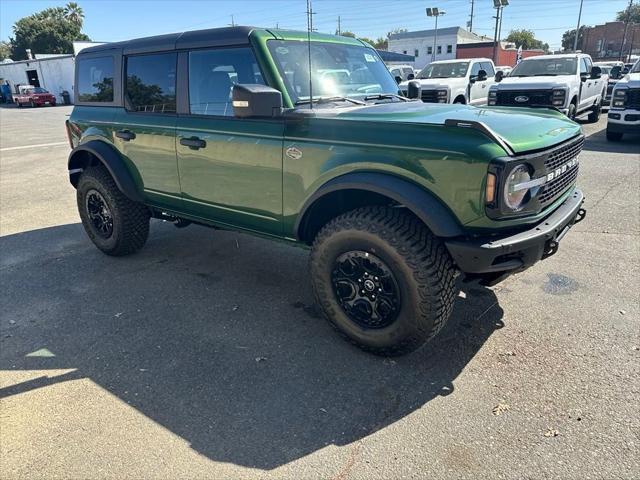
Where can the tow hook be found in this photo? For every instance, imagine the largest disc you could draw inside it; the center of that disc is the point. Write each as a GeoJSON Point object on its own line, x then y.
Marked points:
{"type": "Point", "coordinates": [550, 249]}
{"type": "Point", "coordinates": [580, 216]}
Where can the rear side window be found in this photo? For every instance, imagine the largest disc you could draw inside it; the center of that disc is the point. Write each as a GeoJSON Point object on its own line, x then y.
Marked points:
{"type": "Point", "coordinates": [151, 83]}
{"type": "Point", "coordinates": [212, 74]}
{"type": "Point", "coordinates": [95, 79]}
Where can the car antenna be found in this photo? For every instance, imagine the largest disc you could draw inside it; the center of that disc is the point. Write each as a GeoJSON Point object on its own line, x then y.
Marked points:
{"type": "Point", "coordinates": [309, 28]}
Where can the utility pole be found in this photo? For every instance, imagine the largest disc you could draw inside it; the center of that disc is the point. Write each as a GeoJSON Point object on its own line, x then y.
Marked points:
{"type": "Point", "coordinates": [233, 24]}
{"type": "Point", "coordinates": [471, 20]}
{"type": "Point", "coordinates": [575, 40]}
{"type": "Point", "coordinates": [339, 30]}
{"type": "Point", "coordinates": [626, 26]}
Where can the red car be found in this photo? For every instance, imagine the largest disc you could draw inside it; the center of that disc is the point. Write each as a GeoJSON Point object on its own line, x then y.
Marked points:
{"type": "Point", "coordinates": [34, 97]}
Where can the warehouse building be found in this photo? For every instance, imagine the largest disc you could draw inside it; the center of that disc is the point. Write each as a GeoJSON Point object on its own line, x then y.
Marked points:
{"type": "Point", "coordinates": [420, 44]}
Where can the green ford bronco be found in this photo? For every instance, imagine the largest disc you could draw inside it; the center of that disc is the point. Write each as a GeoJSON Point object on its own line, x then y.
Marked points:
{"type": "Point", "coordinates": [306, 139]}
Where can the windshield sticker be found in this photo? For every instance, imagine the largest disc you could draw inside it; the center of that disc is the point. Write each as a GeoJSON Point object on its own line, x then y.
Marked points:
{"type": "Point", "coordinates": [369, 58]}
{"type": "Point", "coordinates": [282, 50]}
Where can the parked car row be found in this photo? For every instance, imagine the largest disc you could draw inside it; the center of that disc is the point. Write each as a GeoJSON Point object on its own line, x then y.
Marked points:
{"type": "Point", "coordinates": [569, 83]}
{"type": "Point", "coordinates": [624, 114]}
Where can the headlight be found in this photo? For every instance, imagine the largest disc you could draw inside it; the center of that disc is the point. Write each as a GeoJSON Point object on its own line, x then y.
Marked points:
{"type": "Point", "coordinates": [515, 194]}
{"type": "Point", "coordinates": [493, 97]}
{"type": "Point", "coordinates": [619, 98]}
{"type": "Point", "coordinates": [558, 97]}
{"type": "Point", "coordinates": [442, 96]}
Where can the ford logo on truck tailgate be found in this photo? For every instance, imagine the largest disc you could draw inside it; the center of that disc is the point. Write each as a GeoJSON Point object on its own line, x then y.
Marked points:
{"type": "Point", "coordinates": [521, 99]}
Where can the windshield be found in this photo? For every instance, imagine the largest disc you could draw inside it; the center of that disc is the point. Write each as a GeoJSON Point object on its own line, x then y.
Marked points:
{"type": "Point", "coordinates": [545, 66]}
{"type": "Point", "coordinates": [336, 70]}
{"type": "Point", "coordinates": [445, 70]}
{"type": "Point", "coordinates": [39, 90]}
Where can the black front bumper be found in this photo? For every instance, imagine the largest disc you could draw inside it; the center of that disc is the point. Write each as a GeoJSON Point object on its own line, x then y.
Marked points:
{"type": "Point", "coordinates": [495, 255]}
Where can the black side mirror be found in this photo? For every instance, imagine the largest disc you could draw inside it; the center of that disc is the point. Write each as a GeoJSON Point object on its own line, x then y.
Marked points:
{"type": "Point", "coordinates": [584, 76]}
{"type": "Point", "coordinates": [398, 79]}
{"type": "Point", "coordinates": [596, 72]}
{"type": "Point", "coordinates": [615, 72]}
{"type": "Point", "coordinates": [499, 76]}
{"type": "Point", "coordinates": [414, 90]}
{"type": "Point", "coordinates": [254, 100]}
{"type": "Point", "coordinates": [411, 76]}
{"type": "Point", "coordinates": [482, 76]}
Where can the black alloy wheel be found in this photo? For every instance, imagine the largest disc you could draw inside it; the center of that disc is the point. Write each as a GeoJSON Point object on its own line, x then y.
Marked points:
{"type": "Point", "coordinates": [366, 289]}
{"type": "Point", "coordinates": [99, 213]}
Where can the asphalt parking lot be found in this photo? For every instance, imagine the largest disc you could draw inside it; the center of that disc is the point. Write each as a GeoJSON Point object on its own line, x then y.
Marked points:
{"type": "Point", "coordinates": [203, 356]}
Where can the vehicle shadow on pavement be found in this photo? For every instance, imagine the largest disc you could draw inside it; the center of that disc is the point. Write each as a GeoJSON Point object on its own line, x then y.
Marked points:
{"type": "Point", "coordinates": [597, 142]}
{"type": "Point", "coordinates": [214, 336]}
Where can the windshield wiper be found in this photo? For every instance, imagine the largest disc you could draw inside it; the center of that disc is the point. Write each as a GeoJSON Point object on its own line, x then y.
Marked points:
{"type": "Point", "coordinates": [329, 100]}
{"type": "Point", "coordinates": [383, 96]}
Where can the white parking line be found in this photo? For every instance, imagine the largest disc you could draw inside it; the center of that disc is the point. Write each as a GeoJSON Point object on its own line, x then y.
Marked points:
{"type": "Point", "coordinates": [6, 149]}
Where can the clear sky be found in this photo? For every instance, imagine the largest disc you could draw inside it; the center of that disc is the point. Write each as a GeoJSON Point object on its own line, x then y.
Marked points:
{"type": "Point", "coordinates": [108, 20]}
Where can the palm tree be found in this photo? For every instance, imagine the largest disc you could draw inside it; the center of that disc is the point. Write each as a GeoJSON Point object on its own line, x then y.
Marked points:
{"type": "Point", "coordinates": [73, 13]}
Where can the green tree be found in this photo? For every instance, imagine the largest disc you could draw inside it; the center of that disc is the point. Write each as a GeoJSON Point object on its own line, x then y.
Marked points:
{"type": "Point", "coordinates": [569, 37]}
{"type": "Point", "coordinates": [526, 39]}
{"type": "Point", "coordinates": [381, 43]}
{"type": "Point", "coordinates": [633, 12]}
{"type": "Point", "coordinates": [52, 30]}
{"type": "Point", "coordinates": [5, 50]}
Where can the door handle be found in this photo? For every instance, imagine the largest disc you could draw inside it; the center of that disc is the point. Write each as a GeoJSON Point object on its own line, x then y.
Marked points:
{"type": "Point", "coordinates": [194, 143]}
{"type": "Point", "coordinates": [125, 135]}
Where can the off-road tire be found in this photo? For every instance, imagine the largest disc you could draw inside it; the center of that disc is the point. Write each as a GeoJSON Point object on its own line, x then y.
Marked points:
{"type": "Point", "coordinates": [614, 136]}
{"type": "Point", "coordinates": [594, 115]}
{"type": "Point", "coordinates": [130, 219]}
{"type": "Point", "coordinates": [419, 261]}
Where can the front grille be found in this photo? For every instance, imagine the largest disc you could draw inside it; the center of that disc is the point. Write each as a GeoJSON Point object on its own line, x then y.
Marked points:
{"type": "Point", "coordinates": [556, 159]}
{"type": "Point", "coordinates": [562, 155]}
{"type": "Point", "coordinates": [556, 187]}
{"type": "Point", "coordinates": [429, 96]}
{"type": "Point", "coordinates": [533, 97]}
{"type": "Point", "coordinates": [633, 98]}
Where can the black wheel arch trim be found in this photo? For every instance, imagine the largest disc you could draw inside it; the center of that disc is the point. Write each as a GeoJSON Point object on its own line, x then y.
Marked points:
{"type": "Point", "coordinates": [422, 203]}
{"type": "Point", "coordinates": [112, 161]}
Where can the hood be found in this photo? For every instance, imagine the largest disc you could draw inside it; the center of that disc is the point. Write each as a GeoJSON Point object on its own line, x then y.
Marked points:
{"type": "Point", "coordinates": [631, 80]}
{"type": "Point", "coordinates": [432, 83]}
{"type": "Point", "coordinates": [519, 83]}
{"type": "Point", "coordinates": [523, 129]}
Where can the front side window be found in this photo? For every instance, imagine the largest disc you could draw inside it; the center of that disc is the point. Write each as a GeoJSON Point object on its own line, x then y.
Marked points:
{"type": "Point", "coordinates": [151, 83]}
{"type": "Point", "coordinates": [95, 79]}
{"type": "Point", "coordinates": [212, 74]}
{"type": "Point", "coordinates": [445, 70]}
{"type": "Point", "coordinates": [336, 70]}
{"type": "Point", "coordinates": [545, 67]}
{"type": "Point", "coordinates": [487, 67]}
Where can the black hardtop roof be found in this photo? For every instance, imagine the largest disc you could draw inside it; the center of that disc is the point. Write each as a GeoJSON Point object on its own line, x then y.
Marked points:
{"type": "Point", "coordinates": [193, 39]}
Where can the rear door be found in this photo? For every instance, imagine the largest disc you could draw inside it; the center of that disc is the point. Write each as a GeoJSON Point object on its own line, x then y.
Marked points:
{"type": "Point", "coordinates": [230, 168]}
{"type": "Point", "coordinates": [146, 128]}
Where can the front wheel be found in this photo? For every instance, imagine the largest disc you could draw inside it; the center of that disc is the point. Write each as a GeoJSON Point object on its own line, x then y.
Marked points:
{"type": "Point", "coordinates": [572, 111]}
{"type": "Point", "coordinates": [382, 279]}
{"type": "Point", "coordinates": [115, 224]}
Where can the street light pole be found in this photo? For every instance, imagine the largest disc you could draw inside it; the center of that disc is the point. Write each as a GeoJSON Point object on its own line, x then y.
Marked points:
{"type": "Point", "coordinates": [435, 12]}
{"type": "Point", "coordinates": [575, 41]}
{"type": "Point", "coordinates": [498, 5]}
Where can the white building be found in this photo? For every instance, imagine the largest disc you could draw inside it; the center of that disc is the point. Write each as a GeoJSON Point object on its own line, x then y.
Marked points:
{"type": "Point", "coordinates": [55, 72]}
{"type": "Point", "coordinates": [420, 44]}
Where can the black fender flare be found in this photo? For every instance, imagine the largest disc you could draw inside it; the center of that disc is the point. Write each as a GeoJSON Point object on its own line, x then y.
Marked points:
{"type": "Point", "coordinates": [422, 203]}
{"type": "Point", "coordinates": [112, 161]}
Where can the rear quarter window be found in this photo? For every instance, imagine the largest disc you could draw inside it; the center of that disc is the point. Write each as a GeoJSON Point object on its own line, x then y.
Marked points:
{"type": "Point", "coordinates": [95, 79]}
{"type": "Point", "coordinates": [151, 83]}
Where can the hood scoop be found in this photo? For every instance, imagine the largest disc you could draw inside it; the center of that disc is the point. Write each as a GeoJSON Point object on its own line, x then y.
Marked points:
{"type": "Point", "coordinates": [483, 128]}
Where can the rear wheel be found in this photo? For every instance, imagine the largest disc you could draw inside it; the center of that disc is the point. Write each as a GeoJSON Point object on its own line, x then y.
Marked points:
{"type": "Point", "coordinates": [115, 224]}
{"type": "Point", "coordinates": [382, 279]}
{"type": "Point", "coordinates": [594, 116]}
{"type": "Point", "coordinates": [614, 136]}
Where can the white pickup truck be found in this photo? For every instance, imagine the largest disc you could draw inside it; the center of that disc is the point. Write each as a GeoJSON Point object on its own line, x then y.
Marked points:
{"type": "Point", "coordinates": [569, 83]}
{"type": "Point", "coordinates": [455, 81]}
{"type": "Point", "coordinates": [624, 114]}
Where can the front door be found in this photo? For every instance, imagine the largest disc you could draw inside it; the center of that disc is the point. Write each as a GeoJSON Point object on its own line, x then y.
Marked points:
{"type": "Point", "coordinates": [145, 129]}
{"type": "Point", "coordinates": [478, 88]}
{"type": "Point", "coordinates": [230, 169]}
